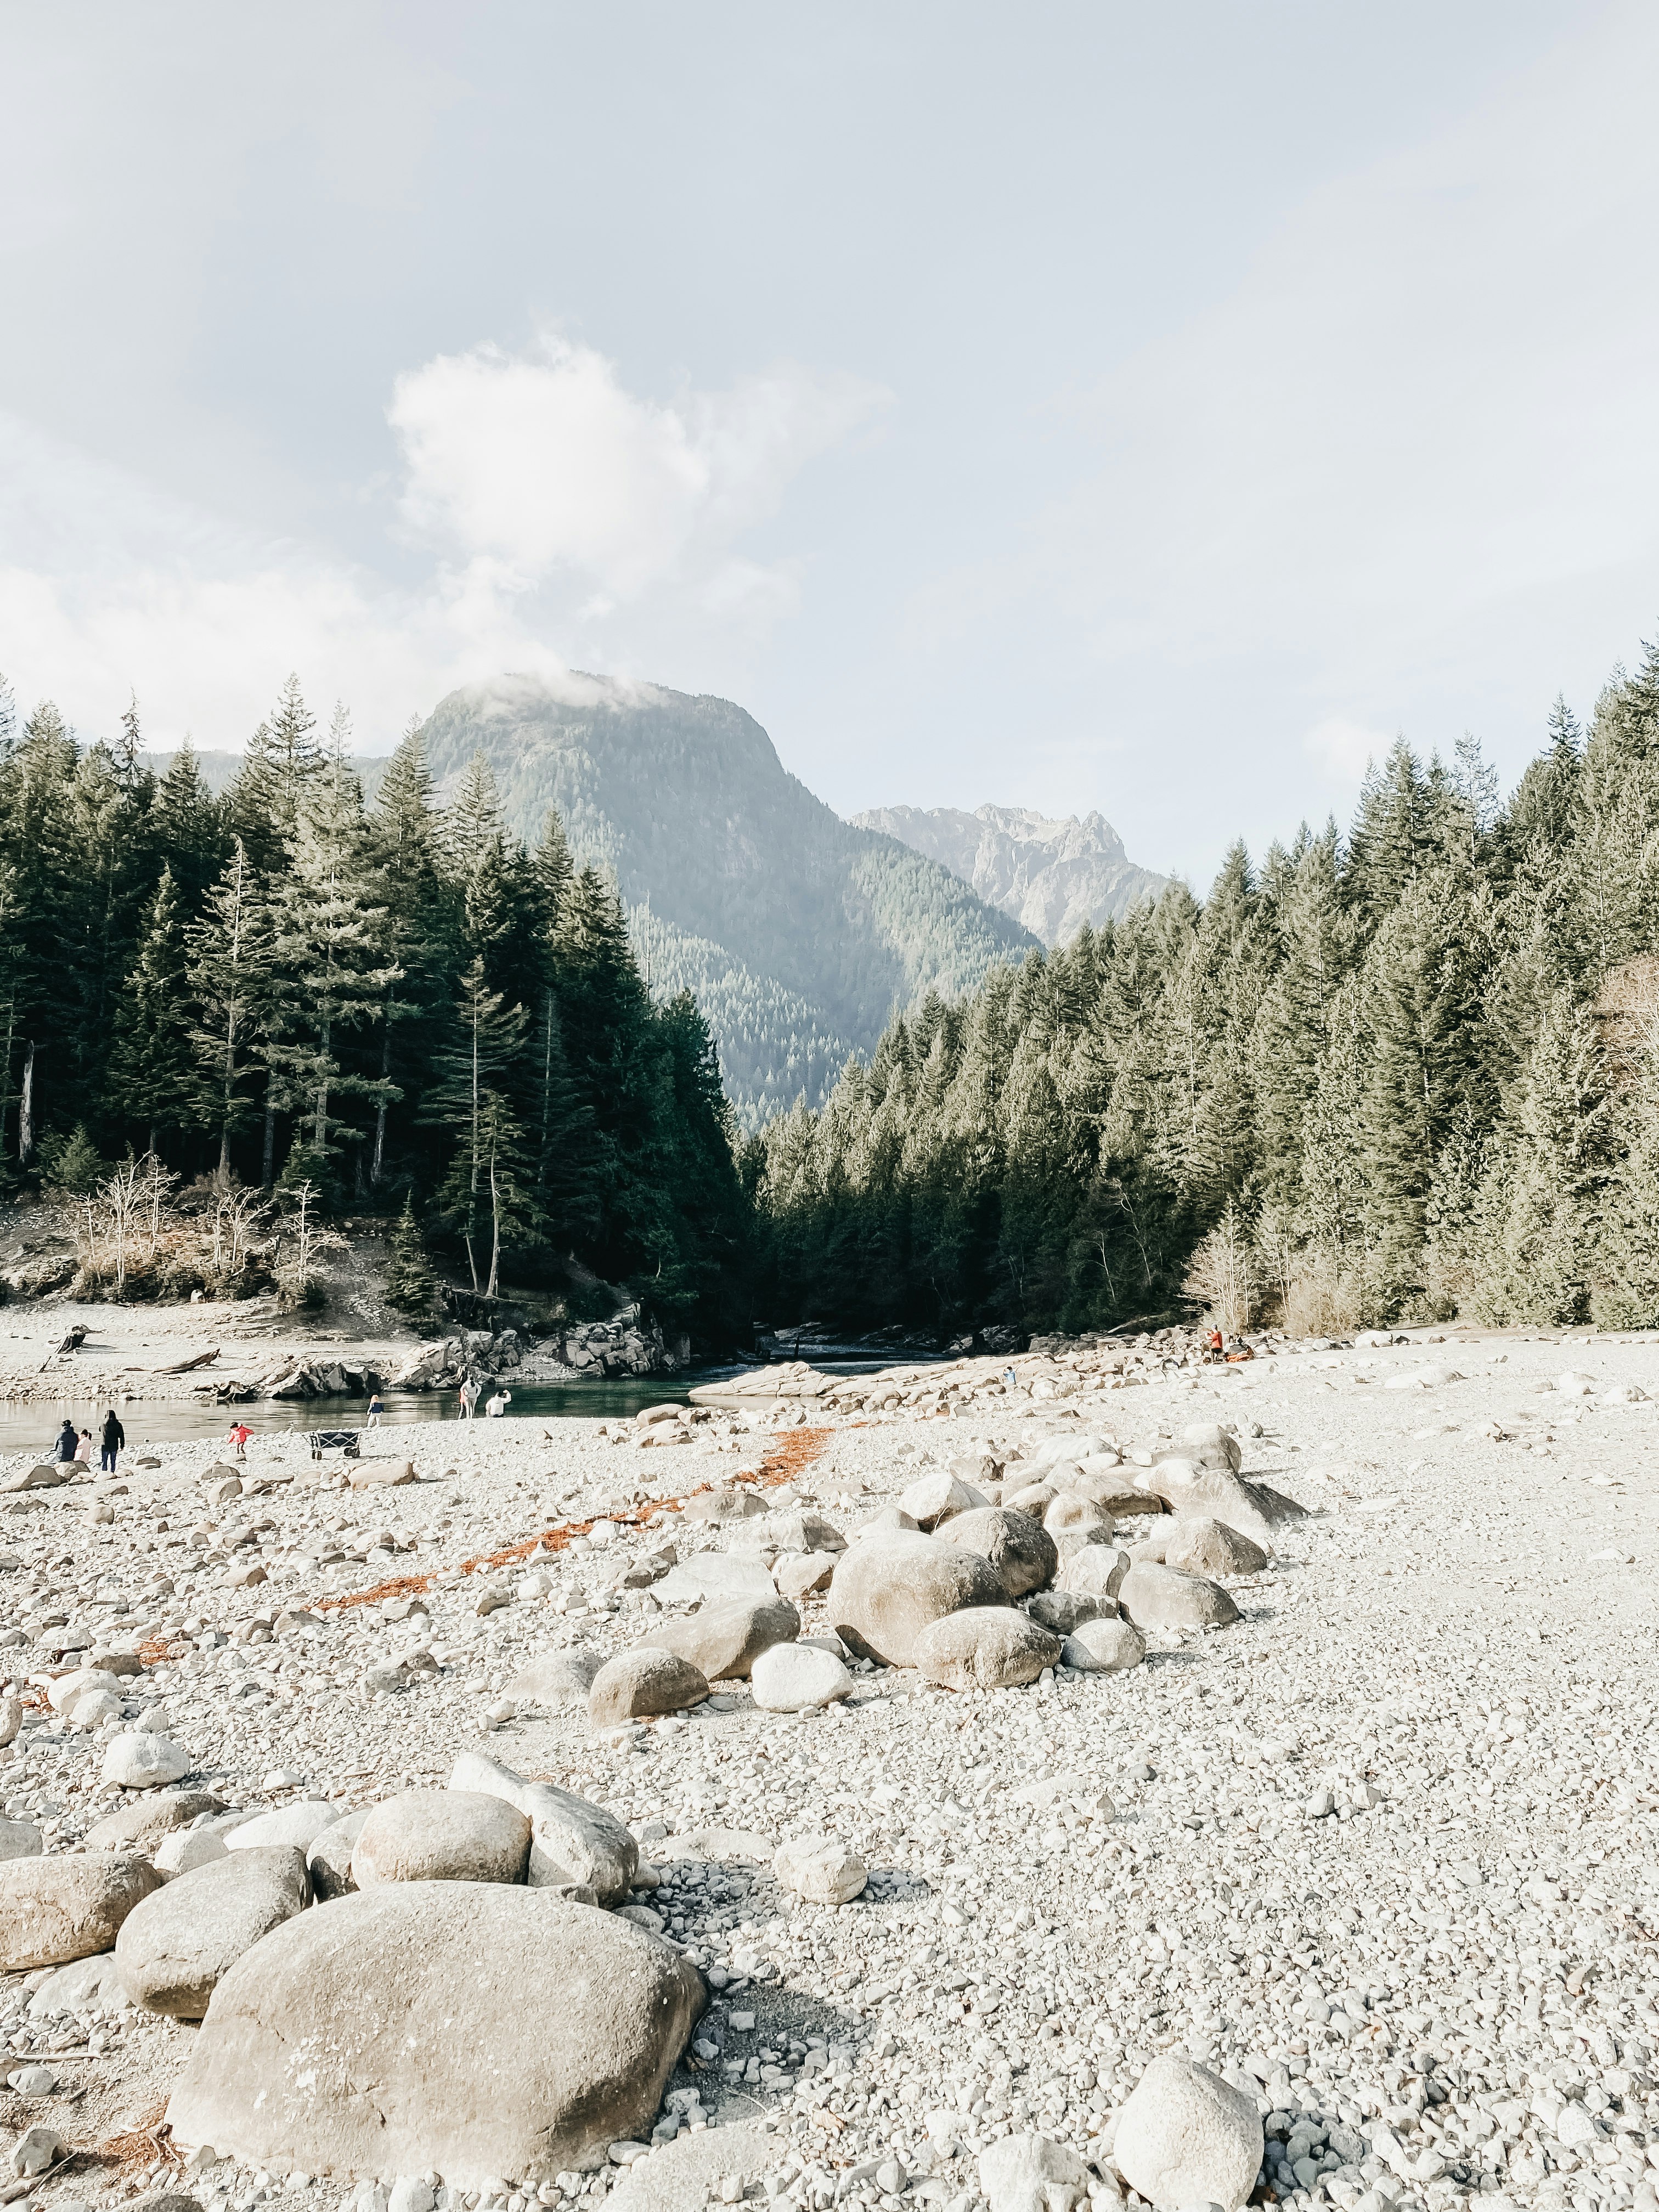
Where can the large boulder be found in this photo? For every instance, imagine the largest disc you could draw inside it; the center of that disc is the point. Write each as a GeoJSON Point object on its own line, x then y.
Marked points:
{"type": "Point", "coordinates": [1069, 1514]}
{"type": "Point", "coordinates": [52, 1910]}
{"type": "Point", "coordinates": [639, 1684]}
{"type": "Point", "coordinates": [723, 1642]}
{"type": "Point", "coordinates": [1163, 1597]}
{"type": "Point", "coordinates": [1212, 1445]}
{"type": "Point", "coordinates": [887, 1589]}
{"type": "Point", "coordinates": [985, 1648]}
{"type": "Point", "coordinates": [20, 1839]}
{"type": "Point", "coordinates": [140, 1826]}
{"type": "Point", "coordinates": [1095, 1570]}
{"type": "Point", "coordinates": [1020, 1548]}
{"type": "Point", "coordinates": [476, 2030]}
{"type": "Point", "coordinates": [1202, 1547]}
{"type": "Point", "coordinates": [299, 1825]}
{"type": "Point", "coordinates": [711, 1577]}
{"type": "Point", "coordinates": [1186, 2136]}
{"type": "Point", "coordinates": [139, 1759]}
{"type": "Point", "coordinates": [798, 1678]}
{"type": "Point", "coordinates": [176, 1946]}
{"type": "Point", "coordinates": [572, 1841]}
{"type": "Point", "coordinates": [1107, 1486]}
{"type": "Point", "coordinates": [938, 1496]}
{"type": "Point", "coordinates": [441, 1835]}
{"type": "Point", "coordinates": [795, 1528]}
{"type": "Point", "coordinates": [1103, 1647]}
{"type": "Point", "coordinates": [723, 1505]}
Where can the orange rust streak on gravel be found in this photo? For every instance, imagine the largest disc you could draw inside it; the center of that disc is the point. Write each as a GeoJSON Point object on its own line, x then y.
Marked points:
{"type": "Point", "coordinates": [791, 1453]}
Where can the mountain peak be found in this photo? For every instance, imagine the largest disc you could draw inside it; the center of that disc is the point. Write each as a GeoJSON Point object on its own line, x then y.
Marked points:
{"type": "Point", "coordinates": [1050, 873]}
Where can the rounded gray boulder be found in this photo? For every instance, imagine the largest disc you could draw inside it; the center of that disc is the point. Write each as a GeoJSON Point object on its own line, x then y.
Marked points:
{"type": "Point", "coordinates": [470, 2029]}
{"type": "Point", "coordinates": [985, 1648]}
{"type": "Point", "coordinates": [1163, 1597]}
{"type": "Point", "coordinates": [68, 1906]}
{"type": "Point", "coordinates": [441, 1835]}
{"type": "Point", "coordinates": [1203, 1547]}
{"type": "Point", "coordinates": [639, 1684]}
{"type": "Point", "coordinates": [1020, 1547]}
{"type": "Point", "coordinates": [888, 1588]}
{"type": "Point", "coordinates": [723, 1642]}
{"type": "Point", "coordinates": [1186, 2136]}
{"type": "Point", "coordinates": [176, 1946]}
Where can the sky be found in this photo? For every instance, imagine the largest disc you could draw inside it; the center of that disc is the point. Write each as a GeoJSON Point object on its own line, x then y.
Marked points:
{"type": "Point", "coordinates": [1090, 405]}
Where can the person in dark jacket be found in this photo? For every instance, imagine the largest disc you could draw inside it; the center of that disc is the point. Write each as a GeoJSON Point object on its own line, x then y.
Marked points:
{"type": "Point", "coordinates": [114, 1437]}
{"type": "Point", "coordinates": [69, 1444]}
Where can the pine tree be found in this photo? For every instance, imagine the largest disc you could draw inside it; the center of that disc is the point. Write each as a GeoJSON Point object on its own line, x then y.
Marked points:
{"type": "Point", "coordinates": [409, 1282]}
{"type": "Point", "coordinates": [264, 802]}
{"type": "Point", "coordinates": [331, 942]}
{"type": "Point", "coordinates": [150, 1069]}
{"type": "Point", "coordinates": [232, 959]}
{"type": "Point", "coordinates": [486, 1194]}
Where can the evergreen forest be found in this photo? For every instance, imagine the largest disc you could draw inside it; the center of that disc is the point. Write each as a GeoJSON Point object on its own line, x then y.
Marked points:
{"type": "Point", "coordinates": [1408, 1072]}
{"type": "Point", "coordinates": [1411, 1072]}
{"type": "Point", "coordinates": [398, 1008]}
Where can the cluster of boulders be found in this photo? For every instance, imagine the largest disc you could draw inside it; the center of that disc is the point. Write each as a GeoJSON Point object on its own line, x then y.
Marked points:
{"type": "Point", "coordinates": [631, 1343]}
{"type": "Point", "coordinates": [981, 1576]}
{"type": "Point", "coordinates": [447, 1363]}
{"type": "Point", "coordinates": [329, 1956]}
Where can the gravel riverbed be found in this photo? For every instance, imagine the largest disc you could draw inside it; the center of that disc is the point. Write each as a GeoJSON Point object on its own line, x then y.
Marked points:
{"type": "Point", "coordinates": [1381, 1853]}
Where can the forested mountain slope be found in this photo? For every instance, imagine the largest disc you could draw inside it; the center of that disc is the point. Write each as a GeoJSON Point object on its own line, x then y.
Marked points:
{"type": "Point", "coordinates": [1409, 1073]}
{"type": "Point", "coordinates": [1053, 876]}
{"type": "Point", "coordinates": [798, 934]}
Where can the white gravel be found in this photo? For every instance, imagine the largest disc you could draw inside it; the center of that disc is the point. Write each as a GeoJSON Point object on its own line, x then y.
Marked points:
{"type": "Point", "coordinates": [1383, 1851]}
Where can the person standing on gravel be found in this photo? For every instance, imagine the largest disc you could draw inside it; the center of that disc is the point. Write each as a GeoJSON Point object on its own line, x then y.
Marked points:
{"type": "Point", "coordinates": [469, 1397]}
{"type": "Point", "coordinates": [376, 1407]}
{"type": "Point", "coordinates": [114, 1436]}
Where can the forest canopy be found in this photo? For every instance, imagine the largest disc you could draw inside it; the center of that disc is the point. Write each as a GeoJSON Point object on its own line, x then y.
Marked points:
{"type": "Point", "coordinates": [395, 1006]}
{"type": "Point", "coordinates": [1407, 1072]}
{"type": "Point", "coordinates": [1411, 1072]}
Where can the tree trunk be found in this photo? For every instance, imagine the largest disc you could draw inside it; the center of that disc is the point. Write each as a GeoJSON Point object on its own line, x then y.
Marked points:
{"type": "Point", "coordinates": [380, 1110]}
{"type": "Point", "coordinates": [26, 1109]}
{"type": "Point", "coordinates": [268, 1172]}
{"type": "Point", "coordinates": [494, 1228]}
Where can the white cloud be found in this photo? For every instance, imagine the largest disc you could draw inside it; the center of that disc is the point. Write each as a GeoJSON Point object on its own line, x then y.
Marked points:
{"type": "Point", "coordinates": [570, 520]}
{"type": "Point", "coordinates": [547, 464]}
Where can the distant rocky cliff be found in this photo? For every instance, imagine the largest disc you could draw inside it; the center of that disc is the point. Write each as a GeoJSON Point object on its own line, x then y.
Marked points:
{"type": "Point", "coordinates": [1050, 875]}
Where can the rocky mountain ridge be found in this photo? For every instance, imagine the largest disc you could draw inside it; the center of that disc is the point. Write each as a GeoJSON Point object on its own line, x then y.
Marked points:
{"type": "Point", "coordinates": [1051, 875]}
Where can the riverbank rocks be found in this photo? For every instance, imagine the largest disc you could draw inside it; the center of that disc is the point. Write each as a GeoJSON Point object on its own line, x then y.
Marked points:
{"type": "Point", "coordinates": [176, 1946]}
{"type": "Point", "coordinates": [1203, 1547]}
{"type": "Point", "coordinates": [299, 1825]}
{"type": "Point", "coordinates": [139, 1759]}
{"type": "Point", "coordinates": [555, 1679]}
{"type": "Point", "coordinates": [985, 1648]}
{"type": "Point", "coordinates": [472, 2030]}
{"type": "Point", "coordinates": [1164, 1598]}
{"type": "Point", "coordinates": [1103, 1647]}
{"type": "Point", "coordinates": [798, 1678]}
{"type": "Point", "coordinates": [1029, 2173]}
{"type": "Point", "coordinates": [328, 1857]}
{"type": "Point", "coordinates": [723, 1642]}
{"type": "Point", "coordinates": [804, 1574]}
{"type": "Point", "coordinates": [888, 1588]}
{"type": "Point", "coordinates": [1020, 1548]}
{"type": "Point", "coordinates": [721, 1505]}
{"type": "Point", "coordinates": [1069, 1514]}
{"type": "Point", "coordinates": [821, 1869]}
{"type": "Point", "coordinates": [936, 1498]}
{"type": "Point", "coordinates": [1096, 1571]}
{"type": "Point", "coordinates": [1186, 2137]}
{"type": "Point", "coordinates": [20, 1839]}
{"type": "Point", "coordinates": [1065, 1611]}
{"type": "Point", "coordinates": [53, 1910]}
{"type": "Point", "coordinates": [572, 1840]}
{"type": "Point", "coordinates": [638, 1685]}
{"type": "Point", "coordinates": [1212, 1445]}
{"type": "Point", "coordinates": [140, 1824]}
{"type": "Point", "coordinates": [441, 1835]}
